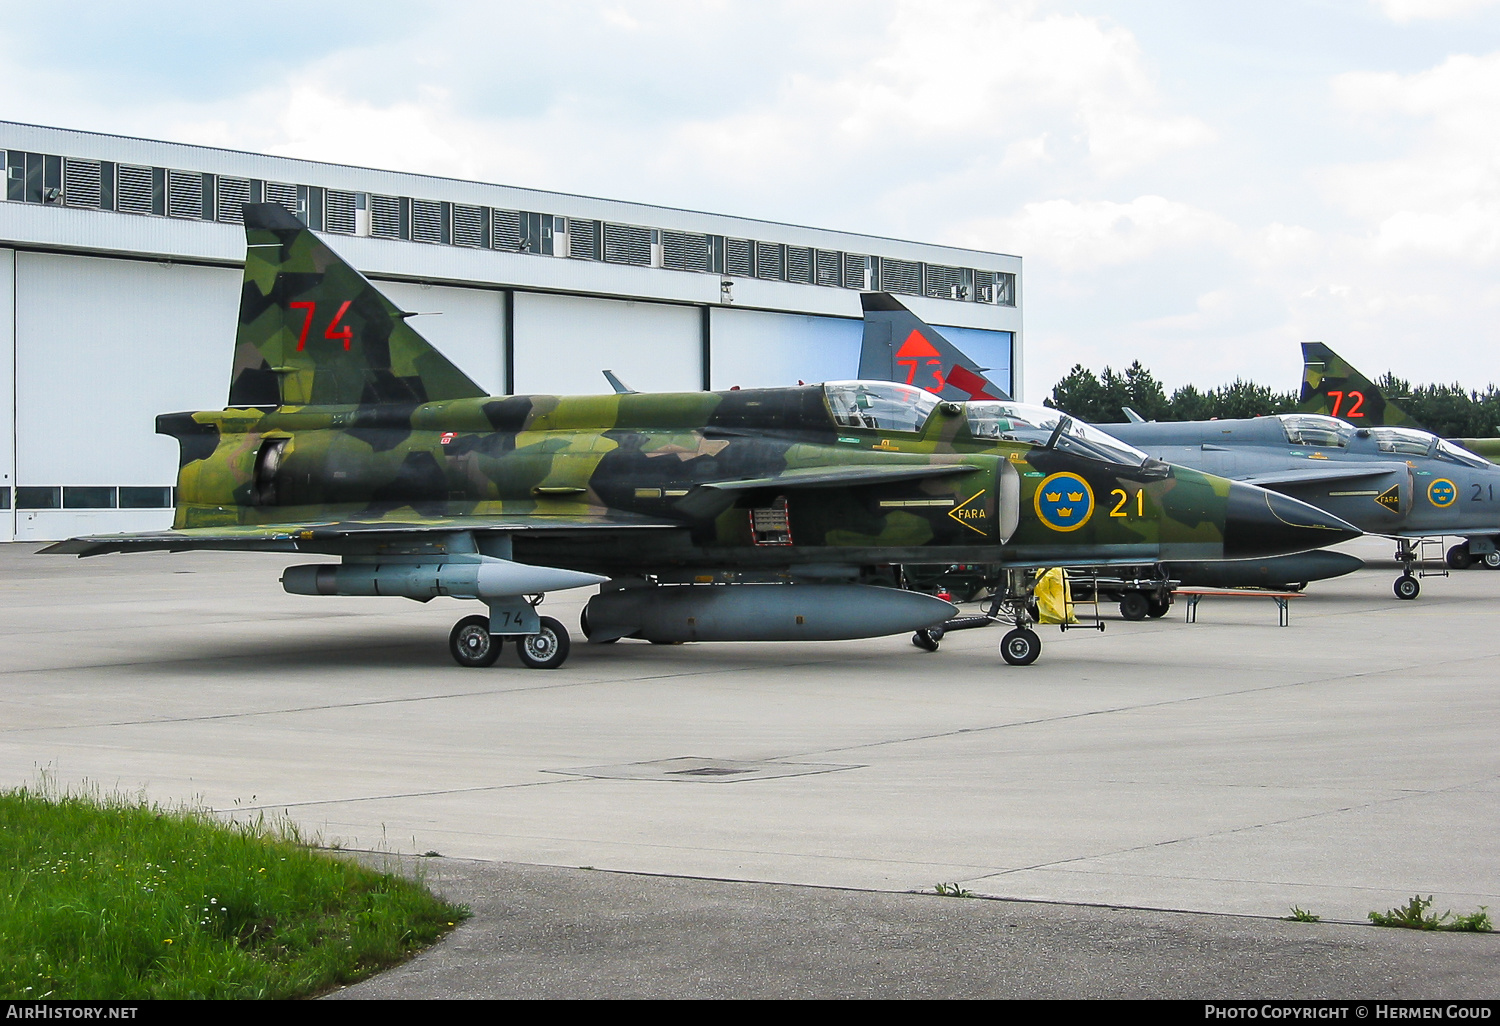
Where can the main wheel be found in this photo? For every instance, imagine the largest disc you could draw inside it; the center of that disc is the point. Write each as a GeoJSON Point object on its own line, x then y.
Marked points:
{"type": "Point", "coordinates": [928, 638]}
{"type": "Point", "coordinates": [1491, 560]}
{"type": "Point", "coordinates": [1021, 647]}
{"type": "Point", "coordinates": [1406, 587]}
{"type": "Point", "coordinates": [1459, 557]}
{"type": "Point", "coordinates": [547, 648]}
{"type": "Point", "coordinates": [1157, 608]}
{"type": "Point", "coordinates": [1134, 605]}
{"type": "Point", "coordinates": [472, 644]}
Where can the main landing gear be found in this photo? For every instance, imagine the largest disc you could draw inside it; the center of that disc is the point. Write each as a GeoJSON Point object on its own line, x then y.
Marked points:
{"type": "Point", "coordinates": [472, 644]}
{"type": "Point", "coordinates": [1462, 556]}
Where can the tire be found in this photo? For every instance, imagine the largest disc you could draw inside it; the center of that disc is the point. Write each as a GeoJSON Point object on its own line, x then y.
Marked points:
{"type": "Point", "coordinates": [1134, 605]}
{"type": "Point", "coordinates": [471, 643]}
{"type": "Point", "coordinates": [927, 639]}
{"type": "Point", "coordinates": [1157, 608]}
{"type": "Point", "coordinates": [1459, 557]}
{"type": "Point", "coordinates": [1020, 647]}
{"type": "Point", "coordinates": [1406, 587]}
{"type": "Point", "coordinates": [547, 649]}
{"type": "Point", "coordinates": [1491, 560]}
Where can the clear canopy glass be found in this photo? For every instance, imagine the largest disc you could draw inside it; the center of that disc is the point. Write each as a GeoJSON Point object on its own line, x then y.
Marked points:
{"type": "Point", "coordinates": [879, 405]}
{"type": "Point", "coordinates": [1316, 430]}
{"type": "Point", "coordinates": [1023, 422]}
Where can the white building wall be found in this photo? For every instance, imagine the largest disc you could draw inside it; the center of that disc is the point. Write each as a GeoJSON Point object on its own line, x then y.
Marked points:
{"type": "Point", "coordinates": [563, 345]}
{"type": "Point", "coordinates": [8, 392]}
{"type": "Point", "coordinates": [101, 347]}
{"type": "Point", "coordinates": [465, 325]}
{"type": "Point", "coordinates": [757, 349]}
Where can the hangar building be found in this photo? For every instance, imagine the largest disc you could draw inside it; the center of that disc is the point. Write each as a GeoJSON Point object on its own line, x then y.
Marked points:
{"type": "Point", "coordinates": [120, 273]}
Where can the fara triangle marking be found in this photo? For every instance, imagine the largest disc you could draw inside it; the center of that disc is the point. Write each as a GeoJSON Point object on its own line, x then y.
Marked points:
{"type": "Point", "coordinates": [1390, 498]}
{"type": "Point", "coordinates": [916, 345]}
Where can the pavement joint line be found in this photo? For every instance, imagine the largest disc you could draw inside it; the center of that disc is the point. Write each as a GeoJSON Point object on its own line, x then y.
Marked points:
{"type": "Point", "coordinates": [1248, 827]}
{"type": "Point", "coordinates": [1241, 880]}
{"type": "Point", "coordinates": [394, 797]}
{"type": "Point", "coordinates": [849, 889]}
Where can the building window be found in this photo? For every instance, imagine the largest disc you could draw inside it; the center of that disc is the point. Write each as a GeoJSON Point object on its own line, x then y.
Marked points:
{"type": "Point", "coordinates": [739, 257]}
{"type": "Point", "coordinates": [38, 498]}
{"type": "Point", "coordinates": [505, 229]}
{"type": "Point", "coordinates": [799, 265]}
{"type": "Point", "coordinates": [88, 498]}
{"type": "Point", "coordinates": [685, 251]}
{"type": "Point", "coordinates": [583, 239]}
{"type": "Point", "coordinates": [83, 183]}
{"type": "Point", "coordinates": [770, 261]}
{"type": "Point", "coordinates": [856, 273]}
{"type": "Point", "coordinates": [903, 277]}
{"type": "Point", "coordinates": [829, 268]}
{"type": "Point", "coordinates": [627, 244]}
{"type": "Point", "coordinates": [145, 498]}
{"type": "Point", "coordinates": [468, 225]}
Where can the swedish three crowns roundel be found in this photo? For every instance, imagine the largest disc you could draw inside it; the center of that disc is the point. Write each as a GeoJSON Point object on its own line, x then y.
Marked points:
{"type": "Point", "coordinates": [1064, 502]}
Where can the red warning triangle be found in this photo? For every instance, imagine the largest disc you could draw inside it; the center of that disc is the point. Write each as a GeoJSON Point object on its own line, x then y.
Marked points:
{"type": "Point", "coordinates": [916, 345]}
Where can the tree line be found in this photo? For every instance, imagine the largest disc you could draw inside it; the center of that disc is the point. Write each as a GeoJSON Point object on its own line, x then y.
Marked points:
{"type": "Point", "coordinates": [1448, 410]}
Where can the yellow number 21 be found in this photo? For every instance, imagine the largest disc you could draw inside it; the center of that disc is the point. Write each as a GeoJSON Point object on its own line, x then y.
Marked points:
{"type": "Point", "coordinates": [1119, 510]}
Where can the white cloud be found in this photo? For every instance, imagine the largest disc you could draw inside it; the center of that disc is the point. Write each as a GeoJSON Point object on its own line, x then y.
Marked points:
{"type": "Point", "coordinates": [1086, 236]}
{"type": "Point", "coordinates": [1402, 11]}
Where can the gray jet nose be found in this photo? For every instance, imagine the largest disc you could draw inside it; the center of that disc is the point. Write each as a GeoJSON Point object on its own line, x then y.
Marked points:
{"type": "Point", "coordinates": [1263, 523]}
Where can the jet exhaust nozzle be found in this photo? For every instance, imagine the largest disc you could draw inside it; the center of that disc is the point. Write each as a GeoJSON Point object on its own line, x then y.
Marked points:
{"type": "Point", "coordinates": [760, 612]}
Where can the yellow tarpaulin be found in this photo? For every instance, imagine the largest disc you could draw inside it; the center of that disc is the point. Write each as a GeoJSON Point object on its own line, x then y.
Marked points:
{"type": "Point", "coordinates": [1054, 599]}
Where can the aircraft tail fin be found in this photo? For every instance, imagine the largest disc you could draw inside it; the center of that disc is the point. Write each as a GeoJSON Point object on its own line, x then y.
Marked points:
{"type": "Point", "coordinates": [1333, 387]}
{"type": "Point", "coordinates": [313, 331]}
{"type": "Point", "coordinates": [899, 346]}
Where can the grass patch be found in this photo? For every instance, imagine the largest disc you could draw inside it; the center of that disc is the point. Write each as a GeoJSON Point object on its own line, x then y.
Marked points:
{"type": "Point", "coordinates": [1414, 915]}
{"type": "Point", "coordinates": [112, 898]}
{"type": "Point", "coordinates": [1302, 915]}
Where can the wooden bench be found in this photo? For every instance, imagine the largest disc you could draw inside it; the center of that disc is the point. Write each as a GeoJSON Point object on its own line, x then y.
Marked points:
{"type": "Point", "coordinates": [1195, 595]}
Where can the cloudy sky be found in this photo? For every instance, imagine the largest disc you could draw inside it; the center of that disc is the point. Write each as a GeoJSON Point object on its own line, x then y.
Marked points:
{"type": "Point", "coordinates": [1200, 186]}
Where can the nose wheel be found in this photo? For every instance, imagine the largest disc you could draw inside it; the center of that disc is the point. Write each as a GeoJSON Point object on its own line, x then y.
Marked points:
{"type": "Point", "coordinates": [1407, 587]}
{"type": "Point", "coordinates": [1020, 647]}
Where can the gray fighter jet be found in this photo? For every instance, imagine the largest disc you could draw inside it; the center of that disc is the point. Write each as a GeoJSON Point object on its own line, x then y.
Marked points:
{"type": "Point", "coordinates": [1398, 482]}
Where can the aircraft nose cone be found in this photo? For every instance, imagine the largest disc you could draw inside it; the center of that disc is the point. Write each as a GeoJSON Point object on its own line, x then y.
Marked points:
{"type": "Point", "coordinates": [1265, 523]}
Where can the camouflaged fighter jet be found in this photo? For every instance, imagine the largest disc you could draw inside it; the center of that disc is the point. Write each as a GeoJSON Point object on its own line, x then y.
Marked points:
{"type": "Point", "coordinates": [762, 514]}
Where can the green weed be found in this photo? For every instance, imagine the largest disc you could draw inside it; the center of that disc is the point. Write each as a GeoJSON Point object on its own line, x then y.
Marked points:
{"type": "Point", "coordinates": [1414, 915]}
{"type": "Point", "coordinates": [1302, 915]}
{"type": "Point", "coordinates": [952, 890]}
{"type": "Point", "coordinates": [111, 897]}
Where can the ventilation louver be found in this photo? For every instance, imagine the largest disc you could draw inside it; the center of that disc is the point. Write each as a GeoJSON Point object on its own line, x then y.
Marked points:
{"type": "Point", "coordinates": [339, 214]}
{"type": "Point", "coordinates": [426, 221]}
{"type": "Point", "coordinates": [286, 195]}
{"type": "Point", "coordinates": [903, 277]}
{"type": "Point", "coordinates": [234, 193]}
{"type": "Point", "coordinates": [799, 265]}
{"type": "Point", "coordinates": [133, 189]}
{"type": "Point", "coordinates": [943, 282]}
{"type": "Point", "coordinates": [854, 272]}
{"type": "Point", "coordinates": [505, 229]}
{"type": "Point", "coordinates": [583, 239]}
{"type": "Point", "coordinates": [627, 244]}
{"type": "Point", "coordinates": [184, 194]}
{"type": "Point", "coordinates": [468, 225]}
{"type": "Point", "coordinates": [385, 217]}
{"type": "Point", "coordinates": [83, 183]}
{"type": "Point", "coordinates": [829, 269]}
{"type": "Point", "coordinates": [739, 257]}
{"type": "Point", "coordinates": [685, 251]}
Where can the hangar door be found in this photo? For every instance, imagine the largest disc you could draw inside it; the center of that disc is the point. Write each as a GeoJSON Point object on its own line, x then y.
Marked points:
{"type": "Point", "coordinates": [563, 344]}
{"type": "Point", "coordinates": [102, 347]}
{"type": "Point", "coordinates": [7, 396]}
{"type": "Point", "coordinates": [756, 349]}
{"type": "Point", "coordinates": [465, 325]}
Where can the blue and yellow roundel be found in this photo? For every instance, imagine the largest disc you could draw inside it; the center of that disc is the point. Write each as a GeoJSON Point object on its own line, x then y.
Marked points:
{"type": "Point", "coordinates": [1064, 502]}
{"type": "Point", "coordinates": [1442, 492]}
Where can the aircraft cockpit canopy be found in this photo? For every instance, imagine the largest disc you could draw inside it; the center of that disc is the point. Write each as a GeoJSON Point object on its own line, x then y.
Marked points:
{"type": "Point", "coordinates": [1023, 422]}
{"type": "Point", "coordinates": [879, 405]}
{"type": "Point", "coordinates": [1316, 430]}
{"type": "Point", "coordinates": [1446, 450]}
{"type": "Point", "coordinates": [1406, 441]}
